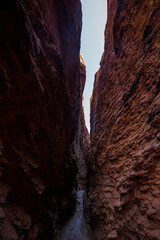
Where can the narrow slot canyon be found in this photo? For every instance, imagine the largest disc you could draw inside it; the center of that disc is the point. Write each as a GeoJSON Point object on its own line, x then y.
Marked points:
{"type": "Point", "coordinates": [57, 181]}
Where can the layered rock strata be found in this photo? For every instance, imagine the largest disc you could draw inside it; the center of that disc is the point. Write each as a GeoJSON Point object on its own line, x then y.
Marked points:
{"type": "Point", "coordinates": [40, 104]}
{"type": "Point", "coordinates": [123, 199]}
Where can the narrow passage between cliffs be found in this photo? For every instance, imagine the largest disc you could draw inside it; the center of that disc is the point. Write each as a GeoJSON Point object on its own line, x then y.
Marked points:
{"type": "Point", "coordinates": [92, 47]}
{"type": "Point", "coordinates": [77, 228]}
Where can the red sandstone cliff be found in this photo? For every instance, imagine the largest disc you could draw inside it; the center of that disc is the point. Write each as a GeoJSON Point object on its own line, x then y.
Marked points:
{"type": "Point", "coordinates": [124, 163]}
{"type": "Point", "coordinates": [40, 103]}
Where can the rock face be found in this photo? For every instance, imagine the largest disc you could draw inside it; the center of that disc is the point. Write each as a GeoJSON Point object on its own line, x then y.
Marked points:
{"type": "Point", "coordinates": [40, 104]}
{"type": "Point", "coordinates": [123, 199]}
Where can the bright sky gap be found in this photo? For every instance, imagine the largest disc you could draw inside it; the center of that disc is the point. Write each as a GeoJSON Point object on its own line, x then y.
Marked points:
{"type": "Point", "coordinates": [92, 44]}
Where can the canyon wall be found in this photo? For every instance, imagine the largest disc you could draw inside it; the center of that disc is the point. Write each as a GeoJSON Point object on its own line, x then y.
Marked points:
{"type": "Point", "coordinates": [40, 104]}
{"type": "Point", "coordinates": [123, 187]}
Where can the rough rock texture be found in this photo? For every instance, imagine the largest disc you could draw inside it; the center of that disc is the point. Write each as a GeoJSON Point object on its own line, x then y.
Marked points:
{"type": "Point", "coordinates": [123, 198]}
{"type": "Point", "coordinates": [40, 103]}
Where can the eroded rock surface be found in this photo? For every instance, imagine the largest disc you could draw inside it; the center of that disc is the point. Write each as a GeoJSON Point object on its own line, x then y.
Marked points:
{"type": "Point", "coordinates": [40, 103]}
{"type": "Point", "coordinates": [124, 169]}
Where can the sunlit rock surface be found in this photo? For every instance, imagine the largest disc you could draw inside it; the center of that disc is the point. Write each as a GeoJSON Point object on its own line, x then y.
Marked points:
{"type": "Point", "coordinates": [40, 104]}
{"type": "Point", "coordinates": [124, 163]}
